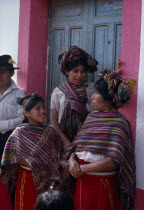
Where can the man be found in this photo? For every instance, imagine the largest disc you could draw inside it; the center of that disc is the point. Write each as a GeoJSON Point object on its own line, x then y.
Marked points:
{"type": "Point", "coordinates": [10, 112]}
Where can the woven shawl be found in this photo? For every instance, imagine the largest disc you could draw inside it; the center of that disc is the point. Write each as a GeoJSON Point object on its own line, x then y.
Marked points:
{"type": "Point", "coordinates": [41, 148]}
{"type": "Point", "coordinates": [110, 134]}
{"type": "Point", "coordinates": [75, 111]}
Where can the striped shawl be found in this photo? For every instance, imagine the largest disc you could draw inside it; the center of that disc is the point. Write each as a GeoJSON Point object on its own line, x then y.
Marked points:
{"type": "Point", "coordinates": [110, 134]}
{"type": "Point", "coordinates": [41, 148]}
{"type": "Point", "coordinates": [75, 111]}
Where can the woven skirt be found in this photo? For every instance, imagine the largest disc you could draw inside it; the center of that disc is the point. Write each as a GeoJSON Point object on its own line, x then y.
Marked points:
{"type": "Point", "coordinates": [97, 193]}
{"type": "Point", "coordinates": [25, 196]}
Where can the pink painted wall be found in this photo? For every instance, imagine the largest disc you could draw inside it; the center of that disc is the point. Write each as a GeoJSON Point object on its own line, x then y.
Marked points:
{"type": "Point", "coordinates": [32, 48]}
{"type": "Point", "coordinates": [130, 54]}
{"type": "Point", "coordinates": [130, 51]}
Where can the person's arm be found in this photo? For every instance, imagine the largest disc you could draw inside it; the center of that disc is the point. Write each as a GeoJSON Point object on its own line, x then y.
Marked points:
{"type": "Point", "coordinates": [118, 66]}
{"type": "Point", "coordinates": [74, 167]}
{"type": "Point", "coordinates": [54, 122]}
{"type": "Point", "coordinates": [99, 166]}
{"type": "Point", "coordinates": [11, 124]}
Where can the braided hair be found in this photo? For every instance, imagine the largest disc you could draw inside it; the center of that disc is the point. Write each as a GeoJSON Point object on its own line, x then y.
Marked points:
{"type": "Point", "coordinates": [28, 102]}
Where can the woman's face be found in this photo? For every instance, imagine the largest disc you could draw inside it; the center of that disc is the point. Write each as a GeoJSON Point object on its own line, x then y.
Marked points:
{"type": "Point", "coordinates": [99, 103]}
{"type": "Point", "coordinates": [37, 114]}
{"type": "Point", "coordinates": [77, 75]}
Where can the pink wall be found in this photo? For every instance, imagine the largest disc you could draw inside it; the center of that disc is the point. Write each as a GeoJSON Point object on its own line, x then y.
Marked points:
{"type": "Point", "coordinates": [32, 49]}
{"type": "Point", "coordinates": [130, 51]}
{"type": "Point", "coordinates": [130, 54]}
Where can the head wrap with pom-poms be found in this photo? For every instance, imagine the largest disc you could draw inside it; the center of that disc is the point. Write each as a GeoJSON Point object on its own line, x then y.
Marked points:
{"type": "Point", "coordinates": [119, 88]}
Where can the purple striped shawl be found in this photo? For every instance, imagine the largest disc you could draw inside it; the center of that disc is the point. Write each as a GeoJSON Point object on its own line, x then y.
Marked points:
{"type": "Point", "coordinates": [41, 148]}
{"type": "Point", "coordinates": [75, 111]}
{"type": "Point", "coordinates": [110, 134]}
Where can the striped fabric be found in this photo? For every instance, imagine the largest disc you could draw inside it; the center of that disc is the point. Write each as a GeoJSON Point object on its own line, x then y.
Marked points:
{"type": "Point", "coordinates": [75, 111]}
{"type": "Point", "coordinates": [41, 148]}
{"type": "Point", "coordinates": [110, 134]}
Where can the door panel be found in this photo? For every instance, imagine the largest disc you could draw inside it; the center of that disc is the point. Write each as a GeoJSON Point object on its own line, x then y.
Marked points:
{"type": "Point", "coordinates": [100, 46]}
{"type": "Point", "coordinates": [111, 7]}
{"type": "Point", "coordinates": [76, 36]}
{"type": "Point", "coordinates": [58, 45]}
{"type": "Point", "coordinates": [71, 12]}
{"type": "Point", "coordinates": [117, 42]}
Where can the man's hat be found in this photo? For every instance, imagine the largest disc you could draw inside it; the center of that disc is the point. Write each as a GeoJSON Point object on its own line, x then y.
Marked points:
{"type": "Point", "coordinates": [6, 62]}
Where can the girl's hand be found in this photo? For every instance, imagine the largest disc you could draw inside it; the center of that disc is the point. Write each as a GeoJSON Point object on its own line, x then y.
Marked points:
{"type": "Point", "coordinates": [118, 66]}
{"type": "Point", "coordinates": [74, 167]}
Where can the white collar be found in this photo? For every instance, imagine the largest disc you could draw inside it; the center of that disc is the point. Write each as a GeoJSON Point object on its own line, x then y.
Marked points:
{"type": "Point", "coordinates": [11, 87]}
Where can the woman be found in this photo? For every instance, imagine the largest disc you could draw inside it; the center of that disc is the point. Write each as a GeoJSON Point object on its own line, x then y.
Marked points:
{"type": "Point", "coordinates": [69, 99]}
{"type": "Point", "coordinates": [32, 155]}
{"type": "Point", "coordinates": [102, 154]}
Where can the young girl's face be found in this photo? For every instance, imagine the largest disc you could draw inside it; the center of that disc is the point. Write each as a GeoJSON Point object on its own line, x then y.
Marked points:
{"type": "Point", "coordinates": [37, 114]}
{"type": "Point", "coordinates": [77, 75]}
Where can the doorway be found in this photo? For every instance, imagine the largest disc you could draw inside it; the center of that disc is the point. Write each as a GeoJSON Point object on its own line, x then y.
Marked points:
{"type": "Point", "coordinates": [93, 25]}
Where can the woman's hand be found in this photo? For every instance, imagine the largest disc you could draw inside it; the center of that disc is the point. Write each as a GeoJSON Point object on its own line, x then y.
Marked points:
{"type": "Point", "coordinates": [118, 66]}
{"type": "Point", "coordinates": [74, 167]}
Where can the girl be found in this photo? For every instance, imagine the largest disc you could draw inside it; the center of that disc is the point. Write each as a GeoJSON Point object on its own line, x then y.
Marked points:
{"type": "Point", "coordinates": [32, 155]}
{"type": "Point", "coordinates": [70, 100]}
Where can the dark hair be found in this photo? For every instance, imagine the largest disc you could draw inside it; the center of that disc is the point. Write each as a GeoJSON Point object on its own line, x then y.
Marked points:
{"type": "Point", "coordinates": [74, 64]}
{"type": "Point", "coordinates": [28, 102]}
{"type": "Point", "coordinates": [54, 200]}
{"type": "Point", "coordinates": [102, 88]}
{"type": "Point", "coordinates": [33, 103]}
